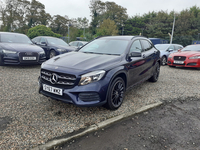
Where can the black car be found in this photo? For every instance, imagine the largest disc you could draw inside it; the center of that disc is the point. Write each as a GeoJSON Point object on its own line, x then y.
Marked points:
{"type": "Point", "coordinates": [52, 46]}
{"type": "Point", "coordinates": [18, 49]}
{"type": "Point", "coordinates": [77, 44]}
{"type": "Point", "coordinates": [101, 71]}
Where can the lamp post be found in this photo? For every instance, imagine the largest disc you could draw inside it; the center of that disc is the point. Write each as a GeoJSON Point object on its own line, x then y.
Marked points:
{"type": "Point", "coordinates": [68, 32]}
{"type": "Point", "coordinates": [122, 29]}
{"type": "Point", "coordinates": [172, 30]}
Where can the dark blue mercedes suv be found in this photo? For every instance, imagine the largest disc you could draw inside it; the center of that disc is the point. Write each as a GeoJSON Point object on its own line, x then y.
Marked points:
{"type": "Point", "coordinates": [101, 71]}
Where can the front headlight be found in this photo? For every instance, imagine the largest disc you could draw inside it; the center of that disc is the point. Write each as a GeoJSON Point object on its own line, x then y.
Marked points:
{"type": "Point", "coordinates": [170, 56]}
{"type": "Point", "coordinates": [91, 77]}
{"type": "Point", "coordinates": [61, 50]}
{"type": "Point", "coordinates": [195, 57]}
{"type": "Point", "coordinates": [9, 51]}
{"type": "Point", "coordinates": [41, 53]}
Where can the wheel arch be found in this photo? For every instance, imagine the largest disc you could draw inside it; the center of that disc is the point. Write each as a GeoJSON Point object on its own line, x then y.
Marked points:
{"type": "Point", "coordinates": [120, 73]}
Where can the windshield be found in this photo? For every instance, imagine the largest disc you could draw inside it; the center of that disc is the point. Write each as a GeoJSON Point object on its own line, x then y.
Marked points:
{"type": "Point", "coordinates": [15, 38]}
{"type": "Point", "coordinates": [55, 41]}
{"type": "Point", "coordinates": [106, 46]}
{"type": "Point", "coordinates": [162, 46]}
{"type": "Point", "coordinates": [191, 48]}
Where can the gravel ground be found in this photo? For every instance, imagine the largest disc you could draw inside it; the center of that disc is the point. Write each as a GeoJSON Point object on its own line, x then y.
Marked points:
{"type": "Point", "coordinates": [28, 119]}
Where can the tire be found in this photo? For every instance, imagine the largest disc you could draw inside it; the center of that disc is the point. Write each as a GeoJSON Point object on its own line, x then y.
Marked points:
{"type": "Point", "coordinates": [116, 94]}
{"type": "Point", "coordinates": [52, 54]}
{"type": "Point", "coordinates": [163, 60]}
{"type": "Point", "coordinates": [156, 73]}
{"type": "Point", "coordinates": [1, 61]}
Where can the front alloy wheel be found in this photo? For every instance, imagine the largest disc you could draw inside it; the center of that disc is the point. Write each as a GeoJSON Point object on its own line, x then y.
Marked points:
{"type": "Point", "coordinates": [52, 54]}
{"type": "Point", "coordinates": [116, 94]}
{"type": "Point", "coordinates": [163, 61]}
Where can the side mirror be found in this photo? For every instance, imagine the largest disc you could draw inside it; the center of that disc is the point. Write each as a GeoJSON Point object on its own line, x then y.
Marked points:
{"type": "Point", "coordinates": [43, 43]}
{"type": "Point", "coordinates": [170, 50]}
{"type": "Point", "coordinates": [135, 54]}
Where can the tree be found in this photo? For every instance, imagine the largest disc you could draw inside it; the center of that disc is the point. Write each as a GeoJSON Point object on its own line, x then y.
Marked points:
{"type": "Point", "coordinates": [116, 13]}
{"type": "Point", "coordinates": [160, 25]}
{"type": "Point", "coordinates": [108, 27]}
{"type": "Point", "coordinates": [12, 14]}
{"type": "Point", "coordinates": [134, 26]}
{"type": "Point", "coordinates": [41, 30]}
{"type": "Point", "coordinates": [96, 8]}
{"type": "Point", "coordinates": [108, 10]}
{"type": "Point", "coordinates": [36, 14]}
{"type": "Point", "coordinates": [60, 24]}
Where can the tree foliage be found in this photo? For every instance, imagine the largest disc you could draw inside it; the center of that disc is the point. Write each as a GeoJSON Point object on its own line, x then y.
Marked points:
{"type": "Point", "coordinates": [107, 27]}
{"type": "Point", "coordinates": [41, 30]}
{"type": "Point", "coordinates": [108, 10]}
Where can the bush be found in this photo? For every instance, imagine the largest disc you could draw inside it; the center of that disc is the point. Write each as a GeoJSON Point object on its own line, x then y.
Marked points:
{"type": "Point", "coordinates": [41, 30]}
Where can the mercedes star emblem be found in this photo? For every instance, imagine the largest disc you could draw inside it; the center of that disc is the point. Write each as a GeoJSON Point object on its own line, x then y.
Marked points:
{"type": "Point", "coordinates": [54, 78]}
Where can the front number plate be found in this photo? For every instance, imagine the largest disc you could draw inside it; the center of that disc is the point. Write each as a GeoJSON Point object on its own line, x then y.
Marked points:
{"type": "Point", "coordinates": [52, 89]}
{"type": "Point", "coordinates": [29, 58]}
{"type": "Point", "coordinates": [178, 62]}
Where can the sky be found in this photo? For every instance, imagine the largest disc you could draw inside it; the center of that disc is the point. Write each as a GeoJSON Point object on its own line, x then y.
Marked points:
{"type": "Point", "coordinates": [80, 8]}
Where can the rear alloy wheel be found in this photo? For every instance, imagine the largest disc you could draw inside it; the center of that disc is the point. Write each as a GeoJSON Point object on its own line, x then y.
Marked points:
{"type": "Point", "coordinates": [52, 54]}
{"type": "Point", "coordinates": [163, 60]}
{"type": "Point", "coordinates": [156, 73]}
{"type": "Point", "coordinates": [116, 94]}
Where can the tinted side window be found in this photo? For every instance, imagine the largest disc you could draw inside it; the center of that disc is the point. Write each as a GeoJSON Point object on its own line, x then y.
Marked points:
{"type": "Point", "coordinates": [171, 47]}
{"type": "Point", "coordinates": [146, 45]}
{"type": "Point", "coordinates": [42, 40]}
{"type": "Point", "coordinates": [136, 47]}
{"type": "Point", "coordinates": [80, 44]}
{"type": "Point", "coordinates": [177, 47]}
{"type": "Point", "coordinates": [36, 40]}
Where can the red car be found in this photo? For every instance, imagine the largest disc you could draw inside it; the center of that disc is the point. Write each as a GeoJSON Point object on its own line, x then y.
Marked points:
{"type": "Point", "coordinates": [187, 57]}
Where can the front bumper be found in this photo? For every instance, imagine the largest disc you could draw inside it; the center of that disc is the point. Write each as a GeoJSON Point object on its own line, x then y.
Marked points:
{"type": "Point", "coordinates": [93, 94]}
{"type": "Point", "coordinates": [195, 63]}
{"type": "Point", "coordinates": [16, 59]}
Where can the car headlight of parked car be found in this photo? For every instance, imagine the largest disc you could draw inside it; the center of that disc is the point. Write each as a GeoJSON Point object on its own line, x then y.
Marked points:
{"type": "Point", "coordinates": [170, 56]}
{"type": "Point", "coordinates": [9, 51]}
{"type": "Point", "coordinates": [41, 53]}
{"type": "Point", "coordinates": [91, 77]}
{"type": "Point", "coordinates": [61, 50]}
{"type": "Point", "coordinates": [195, 57]}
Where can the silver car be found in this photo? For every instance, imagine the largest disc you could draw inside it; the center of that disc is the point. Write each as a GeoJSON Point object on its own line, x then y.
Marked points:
{"type": "Point", "coordinates": [166, 50]}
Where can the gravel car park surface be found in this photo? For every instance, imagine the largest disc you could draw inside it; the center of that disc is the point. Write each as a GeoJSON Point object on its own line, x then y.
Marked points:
{"type": "Point", "coordinates": [28, 119]}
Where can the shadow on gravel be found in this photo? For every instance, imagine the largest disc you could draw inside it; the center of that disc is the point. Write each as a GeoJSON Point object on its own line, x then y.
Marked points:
{"type": "Point", "coordinates": [171, 126]}
{"type": "Point", "coordinates": [21, 66]}
{"type": "Point", "coordinates": [4, 121]}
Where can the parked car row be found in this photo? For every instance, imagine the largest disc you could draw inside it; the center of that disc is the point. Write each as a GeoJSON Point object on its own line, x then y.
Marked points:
{"type": "Point", "coordinates": [166, 50]}
{"type": "Point", "coordinates": [16, 48]}
{"type": "Point", "coordinates": [99, 72]}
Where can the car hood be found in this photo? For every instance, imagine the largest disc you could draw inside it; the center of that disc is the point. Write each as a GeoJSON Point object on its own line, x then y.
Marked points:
{"type": "Point", "coordinates": [186, 53]}
{"type": "Point", "coordinates": [84, 61]}
{"type": "Point", "coordinates": [21, 47]}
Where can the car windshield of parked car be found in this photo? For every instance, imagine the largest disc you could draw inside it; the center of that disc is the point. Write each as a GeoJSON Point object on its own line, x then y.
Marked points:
{"type": "Point", "coordinates": [162, 46]}
{"type": "Point", "coordinates": [54, 41]}
{"type": "Point", "coordinates": [15, 38]}
{"type": "Point", "coordinates": [191, 48]}
{"type": "Point", "coordinates": [106, 46]}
